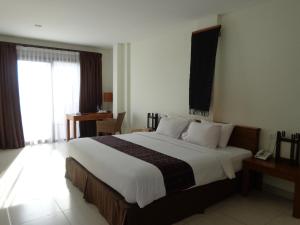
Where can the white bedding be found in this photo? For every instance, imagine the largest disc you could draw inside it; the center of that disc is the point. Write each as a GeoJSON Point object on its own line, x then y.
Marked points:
{"type": "Point", "coordinates": [141, 182]}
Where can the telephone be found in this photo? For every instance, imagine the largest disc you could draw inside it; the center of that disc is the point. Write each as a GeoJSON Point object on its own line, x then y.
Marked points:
{"type": "Point", "coordinates": [263, 154]}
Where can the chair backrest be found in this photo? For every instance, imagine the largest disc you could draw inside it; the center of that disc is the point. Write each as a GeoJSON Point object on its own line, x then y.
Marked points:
{"type": "Point", "coordinates": [120, 119]}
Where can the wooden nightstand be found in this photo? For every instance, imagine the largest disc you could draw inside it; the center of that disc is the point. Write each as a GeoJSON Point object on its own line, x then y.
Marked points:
{"type": "Point", "coordinates": [141, 130]}
{"type": "Point", "coordinates": [280, 169]}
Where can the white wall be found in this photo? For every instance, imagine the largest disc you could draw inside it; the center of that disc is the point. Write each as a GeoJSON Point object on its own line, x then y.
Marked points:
{"type": "Point", "coordinates": [259, 80]}
{"type": "Point", "coordinates": [121, 80]}
{"type": "Point", "coordinates": [107, 70]}
{"type": "Point", "coordinates": [118, 79]}
{"type": "Point", "coordinates": [257, 75]}
{"type": "Point", "coordinates": [107, 55]}
{"type": "Point", "coordinates": [160, 68]}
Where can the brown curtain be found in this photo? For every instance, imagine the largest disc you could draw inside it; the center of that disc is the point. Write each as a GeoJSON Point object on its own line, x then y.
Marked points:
{"type": "Point", "coordinates": [11, 130]}
{"type": "Point", "coordinates": [202, 69]}
{"type": "Point", "coordinates": [90, 89]}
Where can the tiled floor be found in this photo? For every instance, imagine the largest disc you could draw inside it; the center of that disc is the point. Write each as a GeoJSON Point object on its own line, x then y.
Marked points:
{"type": "Point", "coordinates": [33, 191]}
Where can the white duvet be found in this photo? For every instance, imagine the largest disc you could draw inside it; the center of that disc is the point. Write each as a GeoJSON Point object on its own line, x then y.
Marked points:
{"type": "Point", "coordinates": [141, 182]}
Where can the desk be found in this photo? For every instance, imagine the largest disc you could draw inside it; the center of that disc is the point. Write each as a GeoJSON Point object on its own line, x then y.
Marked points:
{"type": "Point", "coordinates": [84, 117]}
{"type": "Point", "coordinates": [280, 169]}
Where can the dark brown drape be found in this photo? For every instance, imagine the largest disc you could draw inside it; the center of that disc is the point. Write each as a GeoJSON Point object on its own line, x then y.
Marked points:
{"type": "Point", "coordinates": [11, 130]}
{"type": "Point", "coordinates": [90, 89]}
{"type": "Point", "coordinates": [203, 57]}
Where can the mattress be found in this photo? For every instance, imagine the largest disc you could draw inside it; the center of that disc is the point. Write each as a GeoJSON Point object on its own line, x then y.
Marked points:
{"type": "Point", "coordinates": [142, 183]}
{"type": "Point", "coordinates": [237, 155]}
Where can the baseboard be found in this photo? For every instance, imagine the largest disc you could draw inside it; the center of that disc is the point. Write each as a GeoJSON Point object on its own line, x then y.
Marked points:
{"type": "Point", "coordinates": [278, 191]}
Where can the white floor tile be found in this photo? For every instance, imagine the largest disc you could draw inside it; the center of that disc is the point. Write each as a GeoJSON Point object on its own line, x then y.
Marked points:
{"type": "Point", "coordinates": [7, 157]}
{"type": "Point", "coordinates": [180, 223]}
{"type": "Point", "coordinates": [69, 202]}
{"type": "Point", "coordinates": [55, 219]}
{"type": "Point", "coordinates": [258, 208]}
{"type": "Point", "coordinates": [32, 210]}
{"type": "Point", "coordinates": [68, 197]}
{"type": "Point", "coordinates": [284, 220]}
{"type": "Point", "coordinates": [83, 216]}
{"type": "Point", "coordinates": [211, 219]}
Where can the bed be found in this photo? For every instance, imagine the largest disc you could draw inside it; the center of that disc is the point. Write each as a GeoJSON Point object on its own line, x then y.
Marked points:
{"type": "Point", "coordinates": [113, 182]}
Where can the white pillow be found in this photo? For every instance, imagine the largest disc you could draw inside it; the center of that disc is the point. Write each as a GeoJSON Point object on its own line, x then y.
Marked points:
{"type": "Point", "coordinates": [207, 135]}
{"type": "Point", "coordinates": [226, 131]}
{"type": "Point", "coordinates": [172, 127]}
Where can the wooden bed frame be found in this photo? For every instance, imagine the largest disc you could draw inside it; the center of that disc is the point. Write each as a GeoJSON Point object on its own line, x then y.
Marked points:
{"type": "Point", "coordinates": [169, 209]}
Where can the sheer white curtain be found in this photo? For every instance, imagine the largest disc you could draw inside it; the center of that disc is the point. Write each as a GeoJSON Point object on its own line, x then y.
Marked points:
{"type": "Point", "coordinates": [49, 83]}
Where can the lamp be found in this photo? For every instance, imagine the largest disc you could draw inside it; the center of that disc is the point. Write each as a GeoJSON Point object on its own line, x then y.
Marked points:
{"type": "Point", "coordinates": [107, 97]}
{"type": "Point", "coordinates": [107, 100]}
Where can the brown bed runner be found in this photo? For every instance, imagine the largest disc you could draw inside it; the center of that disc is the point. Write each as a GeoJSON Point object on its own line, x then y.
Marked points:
{"type": "Point", "coordinates": [177, 174]}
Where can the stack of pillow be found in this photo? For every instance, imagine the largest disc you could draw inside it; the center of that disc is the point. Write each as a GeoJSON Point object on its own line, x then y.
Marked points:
{"type": "Point", "coordinates": [204, 133]}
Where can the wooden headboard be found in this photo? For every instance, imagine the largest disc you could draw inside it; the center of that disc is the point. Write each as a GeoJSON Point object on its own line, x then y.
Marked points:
{"type": "Point", "coordinates": [245, 137]}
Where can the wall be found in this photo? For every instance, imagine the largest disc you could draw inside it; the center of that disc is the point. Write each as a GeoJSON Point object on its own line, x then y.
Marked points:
{"type": "Point", "coordinates": [107, 55]}
{"type": "Point", "coordinates": [160, 72]}
{"type": "Point", "coordinates": [257, 79]}
{"type": "Point", "coordinates": [121, 80]}
{"type": "Point", "coordinates": [107, 70]}
{"type": "Point", "coordinates": [259, 82]}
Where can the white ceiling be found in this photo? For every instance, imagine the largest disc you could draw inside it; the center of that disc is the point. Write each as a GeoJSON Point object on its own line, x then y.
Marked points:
{"type": "Point", "coordinates": [102, 23]}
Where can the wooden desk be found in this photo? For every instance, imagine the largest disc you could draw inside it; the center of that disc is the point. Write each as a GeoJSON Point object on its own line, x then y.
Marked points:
{"type": "Point", "coordinates": [84, 117]}
{"type": "Point", "coordinates": [281, 170]}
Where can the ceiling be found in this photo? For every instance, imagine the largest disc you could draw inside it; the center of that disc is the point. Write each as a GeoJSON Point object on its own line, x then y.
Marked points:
{"type": "Point", "coordinates": [102, 23]}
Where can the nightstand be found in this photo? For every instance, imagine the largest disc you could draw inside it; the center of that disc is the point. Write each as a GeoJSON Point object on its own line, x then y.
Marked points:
{"type": "Point", "coordinates": [280, 169]}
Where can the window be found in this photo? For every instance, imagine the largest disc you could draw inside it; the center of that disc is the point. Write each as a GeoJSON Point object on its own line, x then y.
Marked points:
{"type": "Point", "coordinates": [49, 84]}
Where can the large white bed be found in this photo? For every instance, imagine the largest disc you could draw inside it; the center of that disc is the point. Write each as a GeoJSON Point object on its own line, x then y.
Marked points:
{"type": "Point", "coordinates": [141, 182]}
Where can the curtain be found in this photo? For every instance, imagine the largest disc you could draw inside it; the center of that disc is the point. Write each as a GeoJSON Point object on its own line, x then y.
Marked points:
{"type": "Point", "coordinates": [90, 89]}
{"type": "Point", "coordinates": [49, 82]}
{"type": "Point", "coordinates": [202, 69]}
{"type": "Point", "coordinates": [11, 131]}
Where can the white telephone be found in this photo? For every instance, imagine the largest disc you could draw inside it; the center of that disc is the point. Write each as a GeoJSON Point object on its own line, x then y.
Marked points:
{"type": "Point", "coordinates": [263, 154]}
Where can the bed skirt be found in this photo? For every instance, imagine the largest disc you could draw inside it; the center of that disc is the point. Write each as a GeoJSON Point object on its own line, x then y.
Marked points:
{"type": "Point", "coordinates": [165, 211]}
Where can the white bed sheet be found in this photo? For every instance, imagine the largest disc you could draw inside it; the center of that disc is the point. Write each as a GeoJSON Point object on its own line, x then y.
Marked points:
{"type": "Point", "coordinates": [141, 182]}
{"type": "Point", "coordinates": [237, 155]}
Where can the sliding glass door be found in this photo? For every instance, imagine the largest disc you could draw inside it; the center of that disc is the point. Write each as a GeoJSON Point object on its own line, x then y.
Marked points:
{"type": "Point", "coordinates": [66, 86]}
{"type": "Point", "coordinates": [35, 98]}
{"type": "Point", "coordinates": [49, 83]}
